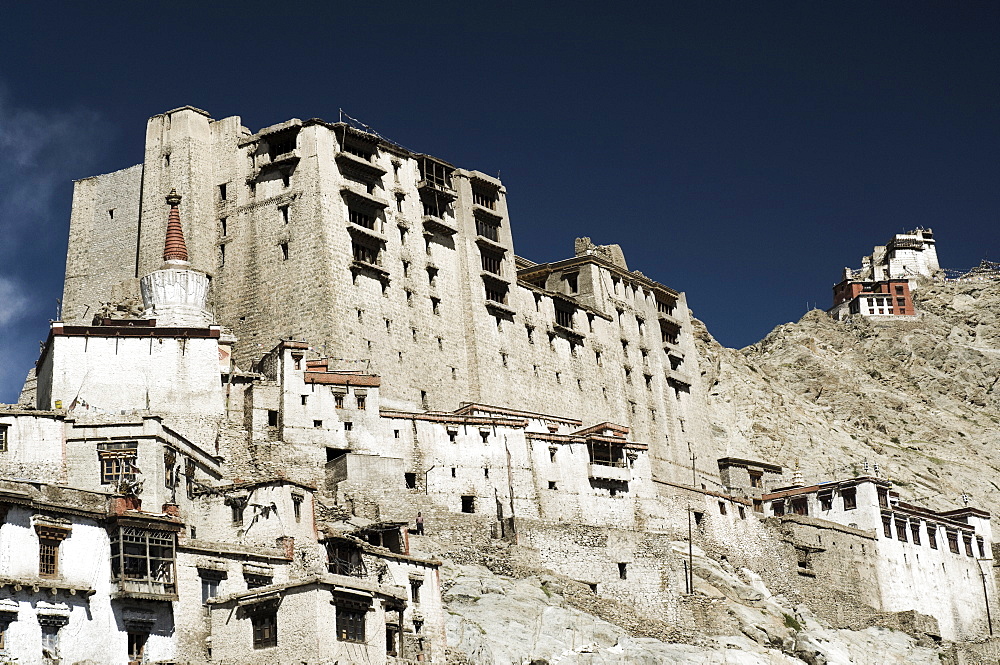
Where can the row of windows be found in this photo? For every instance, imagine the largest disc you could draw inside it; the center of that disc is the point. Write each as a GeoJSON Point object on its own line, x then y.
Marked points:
{"type": "Point", "coordinates": [350, 627]}
{"type": "Point", "coordinates": [910, 532]}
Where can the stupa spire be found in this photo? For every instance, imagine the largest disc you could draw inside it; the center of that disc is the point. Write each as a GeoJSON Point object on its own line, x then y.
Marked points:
{"type": "Point", "coordinates": [174, 248]}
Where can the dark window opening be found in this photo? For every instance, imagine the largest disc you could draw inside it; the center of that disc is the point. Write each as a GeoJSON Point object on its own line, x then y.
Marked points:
{"type": "Point", "coordinates": [564, 316]}
{"type": "Point", "coordinates": [222, 191]}
{"type": "Point", "coordinates": [272, 418]}
{"type": "Point", "coordinates": [778, 508]}
{"type": "Point", "coordinates": [434, 173]}
{"type": "Point", "coordinates": [335, 453]}
{"type": "Point", "coordinates": [552, 485]}
{"type": "Point", "coordinates": [622, 571]}
{"type": "Point", "coordinates": [491, 261]}
{"type": "Point", "coordinates": [488, 229]}
{"type": "Point", "coordinates": [297, 506]}
{"type": "Point", "coordinates": [265, 629]}
{"type": "Point", "coordinates": [317, 424]}
{"type": "Point", "coordinates": [826, 501]}
{"type": "Point", "coordinates": [360, 218]}
{"type": "Point", "coordinates": [284, 251]}
{"type": "Point", "coordinates": [850, 496]}
{"type": "Point", "coordinates": [495, 291]}
{"type": "Point", "coordinates": [365, 253]}
{"type": "Point", "coordinates": [415, 591]}
{"type": "Point", "coordinates": [901, 530]}
{"type": "Point", "coordinates": [664, 307]}
{"type": "Point", "coordinates": [887, 526]}
{"type": "Point", "coordinates": [722, 508]}
{"type": "Point", "coordinates": [883, 498]}
{"type": "Point", "coordinates": [350, 624]}
{"type": "Point", "coordinates": [915, 531]}
{"type": "Point", "coordinates": [468, 504]}
{"type": "Point", "coordinates": [344, 558]}
{"type": "Point", "coordinates": [572, 283]}
{"type": "Point", "coordinates": [800, 506]}
{"type": "Point", "coordinates": [484, 198]}
{"type": "Point", "coordinates": [698, 518]}
{"type": "Point", "coordinates": [932, 536]}
{"type": "Point", "coordinates": [136, 647]}
{"type": "Point", "coordinates": [606, 453]}
{"type": "Point", "coordinates": [953, 542]}
{"type": "Point", "coordinates": [348, 426]}
{"type": "Point", "coordinates": [411, 480]}
{"type": "Point", "coordinates": [284, 214]}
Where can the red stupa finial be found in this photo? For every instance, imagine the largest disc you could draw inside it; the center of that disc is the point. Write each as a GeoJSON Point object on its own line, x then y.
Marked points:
{"type": "Point", "coordinates": [174, 248]}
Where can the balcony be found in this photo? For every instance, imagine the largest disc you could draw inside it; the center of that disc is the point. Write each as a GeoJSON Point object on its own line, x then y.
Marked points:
{"type": "Point", "coordinates": [607, 472]}
{"type": "Point", "coordinates": [349, 162]}
{"type": "Point", "coordinates": [364, 199]}
{"type": "Point", "coordinates": [438, 225]}
{"type": "Point", "coordinates": [437, 190]}
{"type": "Point", "coordinates": [483, 212]}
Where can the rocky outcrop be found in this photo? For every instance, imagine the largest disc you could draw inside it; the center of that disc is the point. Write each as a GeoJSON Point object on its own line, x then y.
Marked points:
{"type": "Point", "coordinates": [920, 398]}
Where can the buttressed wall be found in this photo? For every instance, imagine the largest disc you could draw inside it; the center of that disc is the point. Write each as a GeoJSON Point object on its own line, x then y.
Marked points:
{"type": "Point", "coordinates": [397, 263]}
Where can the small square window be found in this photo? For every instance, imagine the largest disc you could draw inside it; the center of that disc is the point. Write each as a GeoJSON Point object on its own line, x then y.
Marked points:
{"type": "Point", "coordinates": [348, 426]}
{"type": "Point", "coordinates": [317, 424]}
{"type": "Point", "coordinates": [552, 485]}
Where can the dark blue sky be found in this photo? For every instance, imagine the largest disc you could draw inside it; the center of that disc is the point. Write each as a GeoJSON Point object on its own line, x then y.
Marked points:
{"type": "Point", "coordinates": [743, 152]}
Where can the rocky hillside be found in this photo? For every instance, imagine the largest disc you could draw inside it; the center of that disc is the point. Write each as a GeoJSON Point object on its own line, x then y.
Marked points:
{"type": "Point", "coordinates": [545, 619]}
{"type": "Point", "coordinates": [920, 398]}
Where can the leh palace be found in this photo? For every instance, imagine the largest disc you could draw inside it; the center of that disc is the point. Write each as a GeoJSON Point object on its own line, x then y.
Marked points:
{"type": "Point", "coordinates": [303, 391]}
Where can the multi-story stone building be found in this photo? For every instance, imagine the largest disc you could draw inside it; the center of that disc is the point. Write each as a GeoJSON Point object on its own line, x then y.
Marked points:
{"type": "Point", "coordinates": [881, 287]}
{"type": "Point", "coordinates": [247, 404]}
{"type": "Point", "coordinates": [395, 262]}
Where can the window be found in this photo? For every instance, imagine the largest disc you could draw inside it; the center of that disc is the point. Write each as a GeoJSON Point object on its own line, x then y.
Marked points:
{"type": "Point", "coordinates": [344, 559]}
{"type": "Point", "coordinates": [222, 191]}
{"type": "Point", "coordinates": [209, 587]}
{"type": "Point", "coordinates": [143, 560]}
{"type": "Point", "coordinates": [488, 229]}
{"type": "Point", "coordinates": [365, 253]}
{"type": "Point", "coordinates": [3, 438]}
{"type": "Point", "coordinates": [622, 571]}
{"type": "Point", "coordinates": [968, 544]}
{"type": "Point", "coordinates": [491, 261]}
{"type": "Point", "coordinates": [272, 418]}
{"type": "Point", "coordinates": [434, 173]}
{"type": "Point", "coordinates": [932, 536]}
{"type": "Point", "coordinates": [117, 462]}
{"type": "Point", "coordinates": [50, 639]}
{"type": "Point", "coordinates": [415, 591]}
{"type": "Point", "coordinates": [915, 531]}
{"type": "Point", "coordinates": [953, 542]}
{"type": "Point", "coordinates": [901, 530]}
{"type": "Point", "coordinates": [361, 219]}
{"type": "Point", "coordinates": [236, 506]}
{"type": "Point", "coordinates": [664, 307]}
{"type": "Point", "coordinates": [136, 646]}
{"type": "Point", "coordinates": [572, 283]}
{"type": "Point", "coordinates": [265, 629]}
{"type": "Point", "coordinates": [483, 198]}
{"type": "Point", "coordinates": [360, 399]}
{"type": "Point", "coordinates": [742, 511]}
{"type": "Point", "coordinates": [850, 496]}
{"type": "Point", "coordinates": [436, 307]}
{"type": "Point", "coordinates": [284, 250]}
{"type": "Point", "coordinates": [468, 504]}
{"type": "Point", "coordinates": [410, 479]}
{"type": "Point", "coordinates": [758, 506]}
{"type": "Point", "coordinates": [350, 624]}
{"type": "Point", "coordinates": [887, 526]}
{"type": "Point", "coordinates": [778, 508]}
{"type": "Point", "coordinates": [883, 498]}
{"type": "Point", "coordinates": [722, 508]}
{"type": "Point", "coordinates": [564, 316]}
{"type": "Point", "coordinates": [399, 202]}
{"type": "Point", "coordinates": [284, 214]}
{"type": "Point", "coordinates": [48, 557]}
{"type": "Point", "coordinates": [552, 485]}
{"type": "Point", "coordinates": [433, 209]}
{"type": "Point", "coordinates": [825, 501]}
{"type": "Point", "coordinates": [495, 291]}
{"type": "Point", "coordinates": [348, 426]}
{"type": "Point", "coordinates": [223, 226]}
{"type": "Point", "coordinates": [800, 506]}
